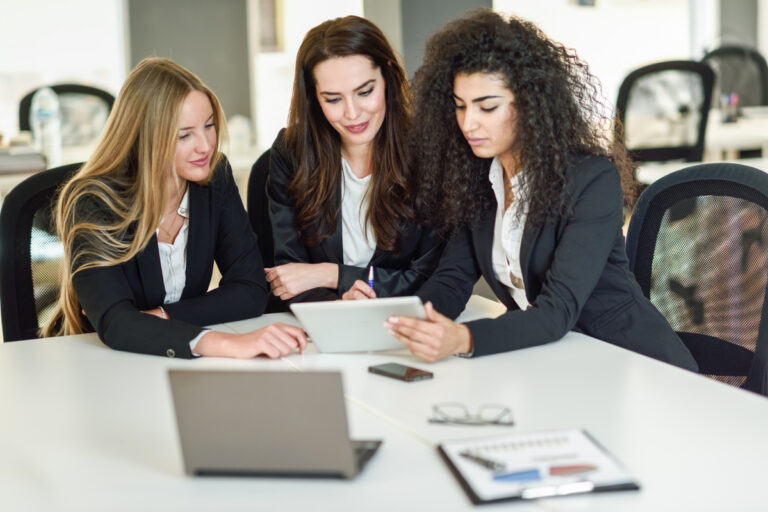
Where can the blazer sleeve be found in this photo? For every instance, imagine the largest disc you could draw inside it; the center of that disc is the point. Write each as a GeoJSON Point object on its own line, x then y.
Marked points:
{"type": "Point", "coordinates": [391, 282]}
{"type": "Point", "coordinates": [450, 285]}
{"type": "Point", "coordinates": [108, 301]}
{"type": "Point", "coordinates": [288, 246]}
{"type": "Point", "coordinates": [242, 292]}
{"type": "Point", "coordinates": [576, 266]}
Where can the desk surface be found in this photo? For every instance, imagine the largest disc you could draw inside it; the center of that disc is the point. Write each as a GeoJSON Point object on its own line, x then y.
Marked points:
{"type": "Point", "coordinates": [88, 428]}
{"type": "Point", "coordinates": [748, 132]}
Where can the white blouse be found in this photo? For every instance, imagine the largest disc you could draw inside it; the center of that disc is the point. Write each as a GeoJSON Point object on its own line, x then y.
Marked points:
{"type": "Point", "coordinates": [508, 236]}
{"type": "Point", "coordinates": [357, 238]}
{"type": "Point", "coordinates": [173, 262]}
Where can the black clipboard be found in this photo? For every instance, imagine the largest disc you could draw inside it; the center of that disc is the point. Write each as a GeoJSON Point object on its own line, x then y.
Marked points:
{"type": "Point", "coordinates": [629, 485]}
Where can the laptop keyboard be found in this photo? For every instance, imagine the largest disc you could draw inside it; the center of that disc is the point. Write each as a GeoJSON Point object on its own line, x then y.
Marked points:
{"type": "Point", "coordinates": [364, 450]}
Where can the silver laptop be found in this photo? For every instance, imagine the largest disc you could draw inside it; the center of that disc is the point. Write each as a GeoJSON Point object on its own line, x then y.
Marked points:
{"type": "Point", "coordinates": [265, 423]}
{"type": "Point", "coordinates": [354, 325]}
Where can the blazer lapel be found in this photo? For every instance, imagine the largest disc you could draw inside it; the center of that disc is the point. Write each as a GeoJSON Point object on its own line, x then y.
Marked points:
{"type": "Point", "coordinates": [332, 246]}
{"type": "Point", "coordinates": [530, 234]}
{"type": "Point", "coordinates": [482, 238]}
{"type": "Point", "coordinates": [148, 261]}
{"type": "Point", "coordinates": [196, 237]}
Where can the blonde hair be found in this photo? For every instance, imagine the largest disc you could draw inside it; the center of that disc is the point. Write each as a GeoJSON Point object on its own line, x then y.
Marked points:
{"type": "Point", "coordinates": [109, 211]}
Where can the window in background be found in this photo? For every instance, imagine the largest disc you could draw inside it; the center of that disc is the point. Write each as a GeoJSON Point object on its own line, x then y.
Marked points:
{"type": "Point", "coordinates": [270, 37]}
{"type": "Point", "coordinates": [80, 41]}
{"type": "Point", "coordinates": [615, 36]}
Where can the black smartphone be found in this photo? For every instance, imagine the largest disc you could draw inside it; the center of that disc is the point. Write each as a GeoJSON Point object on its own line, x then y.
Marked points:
{"type": "Point", "coordinates": [400, 372]}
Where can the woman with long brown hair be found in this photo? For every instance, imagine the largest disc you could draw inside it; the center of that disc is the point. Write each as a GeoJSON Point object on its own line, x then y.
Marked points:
{"type": "Point", "coordinates": [339, 186]}
{"type": "Point", "coordinates": [143, 221]}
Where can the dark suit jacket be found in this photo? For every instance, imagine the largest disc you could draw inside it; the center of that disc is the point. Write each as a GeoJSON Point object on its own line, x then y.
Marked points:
{"type": "Point", "coordinates": [395, 274]}
{"type": "Point", "coordinates": [219, 230]}
{"type": "Point", "coordinates": [576, 276]}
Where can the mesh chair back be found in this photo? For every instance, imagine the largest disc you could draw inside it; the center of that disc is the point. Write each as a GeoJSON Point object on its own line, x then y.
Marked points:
{"type": "Point", "coordinates": [663, 109]}
{"type": "Point", "coordinates": [698, 245]}
{"type": "Point", "coordinates": [83, 111]}
{"type": "Point", "coordinates": [741, 70]}
{"type": "Point", "coordinates": [30, 253]}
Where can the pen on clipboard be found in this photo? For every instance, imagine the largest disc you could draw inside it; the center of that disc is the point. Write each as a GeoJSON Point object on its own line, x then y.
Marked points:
{"type": "Point", "coordinates": [484, 461]}
{"type": "Point", "coordinates": [370, 277]}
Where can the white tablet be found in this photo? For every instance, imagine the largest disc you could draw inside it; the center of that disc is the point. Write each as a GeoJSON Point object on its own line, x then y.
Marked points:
{"type": "Point", "coordinates": [354, 325]}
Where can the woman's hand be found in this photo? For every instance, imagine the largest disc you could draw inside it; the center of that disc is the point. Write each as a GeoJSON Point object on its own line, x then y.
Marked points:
{"type": "Point", "coordinates": [274, 341]}
{"type": "Point", "coordinates": [360, 290]}
{"type": "Point", "coordinates": [291, 279]}
{"type": "Point", "coordinates": [158, 312]}
{"type": "Point", "coordinates": [432, 339]}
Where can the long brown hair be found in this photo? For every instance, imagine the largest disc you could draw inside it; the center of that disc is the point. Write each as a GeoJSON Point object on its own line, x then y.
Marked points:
{"type": "Point", "coordinates": [110, 209]}
{"type": "Point", "coordinates": [316, 145]}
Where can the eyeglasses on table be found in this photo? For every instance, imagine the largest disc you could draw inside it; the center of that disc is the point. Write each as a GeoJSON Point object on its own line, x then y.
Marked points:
{"type": "Point", "coordinates": [456, 413]}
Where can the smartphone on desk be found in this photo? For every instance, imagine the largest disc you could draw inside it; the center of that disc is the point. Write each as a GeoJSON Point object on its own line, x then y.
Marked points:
{"type": "Point", "coordinates": [400, 372]}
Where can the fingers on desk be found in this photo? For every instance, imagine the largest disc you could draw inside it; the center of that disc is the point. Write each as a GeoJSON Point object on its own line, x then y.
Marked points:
{"type": "Point", "coordinates": [280, 339]}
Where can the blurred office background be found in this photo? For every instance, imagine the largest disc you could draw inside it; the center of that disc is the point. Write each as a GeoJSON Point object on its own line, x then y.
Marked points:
{"type": "Point", "coordinates": [245, 49]}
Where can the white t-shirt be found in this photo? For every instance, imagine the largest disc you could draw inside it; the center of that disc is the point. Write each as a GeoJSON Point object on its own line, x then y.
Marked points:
{"type": "Point", "coordinates": [357, 238]}
{"type": "Point", "coordinates": [508, 236]}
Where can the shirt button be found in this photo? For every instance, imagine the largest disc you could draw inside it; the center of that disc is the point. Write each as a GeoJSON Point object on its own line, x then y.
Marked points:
{"type": "Point", "coordinates": [170, 352]}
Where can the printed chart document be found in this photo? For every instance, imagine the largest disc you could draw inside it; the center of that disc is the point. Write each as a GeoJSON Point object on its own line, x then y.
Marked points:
{"type": "Point", "coordinates": [534, 465]}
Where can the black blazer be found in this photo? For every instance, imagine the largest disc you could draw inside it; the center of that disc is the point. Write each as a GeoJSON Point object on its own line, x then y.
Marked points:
{"type": "Point", "coordinates": [395, 274]}
{"type": "Point", "coordinates": [576, 276]}
{"type": "Point", "coordinates": [219, 230]}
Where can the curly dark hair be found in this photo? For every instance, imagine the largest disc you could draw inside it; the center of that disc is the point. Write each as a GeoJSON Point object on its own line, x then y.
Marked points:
{"type": "Point", "coordinates": [560, 116]}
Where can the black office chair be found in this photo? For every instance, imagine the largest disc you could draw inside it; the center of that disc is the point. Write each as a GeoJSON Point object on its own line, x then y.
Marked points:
{"type": "Point", "coordinates": [742, 70]}
{"type": "Point", "coordinates": [698, 245]}
{"type": "Point", "coordinates": [83, 110]}
{"type": "Point", "coordinates": [258, 208]}
{"type": "Point", "coordinates": [30, 253]}
{"type": "Point", "coordinates": [258, 213]}
{"type": "Point", "coordinates": [663, 110]}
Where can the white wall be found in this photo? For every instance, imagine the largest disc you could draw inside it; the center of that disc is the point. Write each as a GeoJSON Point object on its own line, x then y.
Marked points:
{"type": "Point", "coordinates": [614, 37]}
{"type": "Point", "coordinates": [46, 41]}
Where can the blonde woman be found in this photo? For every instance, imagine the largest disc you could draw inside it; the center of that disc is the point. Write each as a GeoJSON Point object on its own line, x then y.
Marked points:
{"type": "Point", "coordinates": [143, 221]}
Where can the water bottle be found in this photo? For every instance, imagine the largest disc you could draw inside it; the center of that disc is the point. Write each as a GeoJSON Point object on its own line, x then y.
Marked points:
{"type": "Point", "coordinates": [46, 125]}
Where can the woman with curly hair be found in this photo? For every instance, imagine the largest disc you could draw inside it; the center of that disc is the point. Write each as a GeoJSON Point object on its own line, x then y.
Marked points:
{"type": "Point", "coordinates": [339, 183]}
{"type": "Point", "coordinates": [516, 161]}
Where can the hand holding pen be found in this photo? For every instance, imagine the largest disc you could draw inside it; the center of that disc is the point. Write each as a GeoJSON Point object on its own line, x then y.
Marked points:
{"type": "Point", "coordinates": [360, 289]}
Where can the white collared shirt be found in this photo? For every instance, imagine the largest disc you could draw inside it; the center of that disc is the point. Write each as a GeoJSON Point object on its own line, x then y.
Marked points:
{"type": "Point", "coordinates": [173, 262]}
{"type": "Point", "coordinates": [173, 257]}
{"type": "Point", "coordinates": [508, 235]}
{"type": "Point", "coordinates": [357, 239]}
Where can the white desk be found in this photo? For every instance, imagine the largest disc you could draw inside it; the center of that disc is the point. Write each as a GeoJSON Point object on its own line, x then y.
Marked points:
{"type": "Point", "coordinates": [725, 140]}
{"type": "Point", "coordinates": [87, 428]}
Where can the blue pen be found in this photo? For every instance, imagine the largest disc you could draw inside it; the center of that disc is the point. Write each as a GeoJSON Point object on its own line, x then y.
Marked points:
{"type": "Point", "coordinates": [370, 277]}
